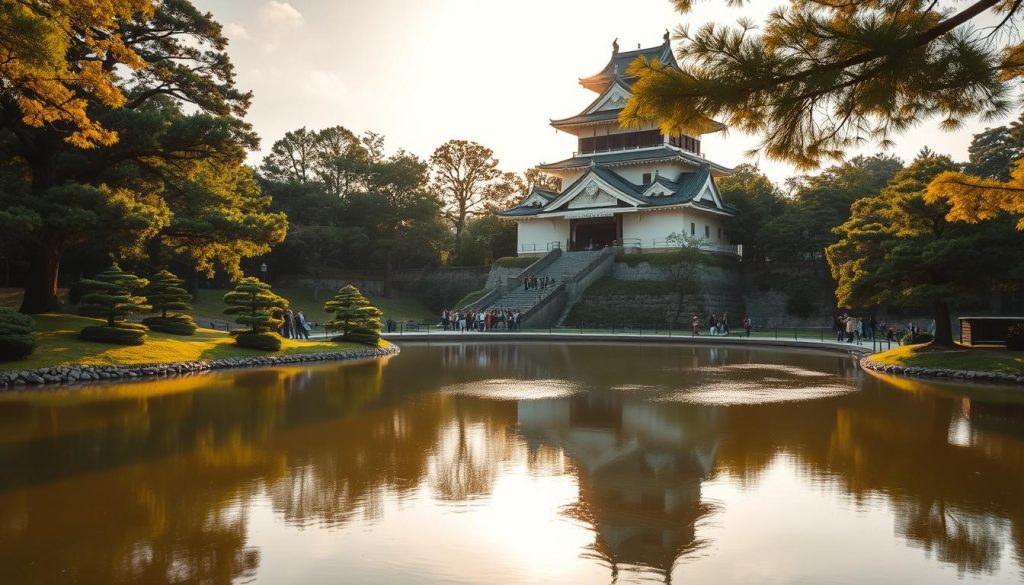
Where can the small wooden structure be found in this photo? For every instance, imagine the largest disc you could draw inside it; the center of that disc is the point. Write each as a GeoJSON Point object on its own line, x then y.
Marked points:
{"type": "Point", "coordinates": [986, 330]}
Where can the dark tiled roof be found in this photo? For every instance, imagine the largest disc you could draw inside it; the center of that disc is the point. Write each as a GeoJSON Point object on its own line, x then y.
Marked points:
{"type": "Point", "coordinates": [621, 61]}
{"type": "Point", "coordinates": [682, 190]}
{"type": "Point", "coordinates": [628, 157]}
{"type": "Point", "coordinates": [601, 116]}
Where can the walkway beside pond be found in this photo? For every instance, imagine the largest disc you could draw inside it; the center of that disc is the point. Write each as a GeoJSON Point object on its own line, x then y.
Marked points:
{"type": "Point", "coordinates": [635, 336]}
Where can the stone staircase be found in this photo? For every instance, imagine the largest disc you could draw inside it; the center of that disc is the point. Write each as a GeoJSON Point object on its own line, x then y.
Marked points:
{"type": "Point", "coordinates": [566, 266]}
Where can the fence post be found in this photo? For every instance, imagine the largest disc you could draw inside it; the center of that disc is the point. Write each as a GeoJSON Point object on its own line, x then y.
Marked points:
{"type": "Point", "coordinates": [776, 333]}
{"type": "Point", "coordinates": [796, 334]}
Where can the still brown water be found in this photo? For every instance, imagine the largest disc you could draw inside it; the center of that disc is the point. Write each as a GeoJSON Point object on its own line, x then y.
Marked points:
{"type": "Point", "coordinates": [517, 463]}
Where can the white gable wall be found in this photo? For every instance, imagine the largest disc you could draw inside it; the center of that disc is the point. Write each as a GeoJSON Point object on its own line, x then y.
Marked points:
{"type": "Point", "coordinates": [536, 234]}
{"type": "Point", "coordinates": [652, 228]}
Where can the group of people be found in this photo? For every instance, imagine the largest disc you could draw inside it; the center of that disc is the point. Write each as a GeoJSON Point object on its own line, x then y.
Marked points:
{"type": "Point", "coordinates": [855, 329]}
{"type": "Point", "coordinates": [295, 325]}
{"type": "Point", "coordinates": [493, 320]}
{"type": "Point", "coordinates": [534, 282]}
{"type": "Point", "coordinates": [719, 325]}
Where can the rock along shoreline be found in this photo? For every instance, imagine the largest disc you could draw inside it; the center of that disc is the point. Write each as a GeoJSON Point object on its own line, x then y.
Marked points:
{"type": "Point", "coordinates": [82, 374]}
{"type": "Point", "coordinates": [940, 373]}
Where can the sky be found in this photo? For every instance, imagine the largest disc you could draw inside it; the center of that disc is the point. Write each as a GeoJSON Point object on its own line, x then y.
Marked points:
{"type": "Point", "coordinates": [422, 72]}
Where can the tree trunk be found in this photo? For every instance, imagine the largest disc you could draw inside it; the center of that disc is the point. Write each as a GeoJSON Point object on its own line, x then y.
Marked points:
{"type": "Point", "coordinates": [41, 281]}
{"type": "Point", "coordinates": [387, 275]}
{"type": "Point", "coordinates": [943, 330]}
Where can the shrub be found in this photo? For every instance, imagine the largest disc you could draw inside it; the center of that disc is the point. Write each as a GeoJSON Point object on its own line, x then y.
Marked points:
{"type": "Point", "coordinates": [909, 339]}
{"type": "Point", "coordinates": [110, 295]}
{"type": "Point", "coordinates": [1015, 337]}
{"type": "Point", "coordinates": [114, 335]}
{"type": "Point", "coordinates": [254, 305]}
{"type": "Point", "coordinates": [692, 255]}
{"type": "Point", "coordinates": [260, 341]}
{"type": "Point", "coordinates": [16, 340]}
{"type": "Point", "coordinates": [354, 317]}
{"type": "Point", "coordinates": [175, 325]}
{"type": "Point", "coordinates": [165, 294]}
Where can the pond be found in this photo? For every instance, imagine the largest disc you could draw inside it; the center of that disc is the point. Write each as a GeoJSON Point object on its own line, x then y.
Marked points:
{"type": "Point", "coordinates": [517, 463]}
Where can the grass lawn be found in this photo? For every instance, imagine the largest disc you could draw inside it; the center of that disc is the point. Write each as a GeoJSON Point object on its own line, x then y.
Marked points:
{"type": "Point", "coordinates": [59, 345]}
{"type": "Point", "coordinates": [961, 358]}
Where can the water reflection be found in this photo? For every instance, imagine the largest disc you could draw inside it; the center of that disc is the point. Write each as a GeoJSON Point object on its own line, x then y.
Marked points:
{"type": "Point", "coordinates": [568, 463]}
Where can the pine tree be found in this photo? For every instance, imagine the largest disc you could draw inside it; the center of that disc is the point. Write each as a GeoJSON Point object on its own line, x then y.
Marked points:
{"type": "Point", "coordinates": [165, 293]}
{"type": "Point", "coordinates": [819, 77]}
{"type": "Point", "coordinates": [111, 295]}
{"type": "Point", "coordinates": [354, 317]}
{"type": "Point", "coordinates": [254, 305]}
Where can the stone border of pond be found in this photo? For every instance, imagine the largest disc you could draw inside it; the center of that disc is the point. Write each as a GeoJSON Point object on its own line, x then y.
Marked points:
{"type": "Point", "coordinates": [79, 374]}
{"type": "Point", "coordinates": [940, 373]}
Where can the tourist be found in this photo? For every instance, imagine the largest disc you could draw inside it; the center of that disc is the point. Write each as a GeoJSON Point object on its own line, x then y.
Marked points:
{"type": "Point", "coordinates": [851, 327]}
{"type": "Point", "coordinates": [445, 320]}
{"type": "Point", "coordinates": [713, 324]}
{"type": "Point", "coordinates": [747, 325]}
{"type": "Point", "coordinates": [302, 327]}
{"type": "Point", "coordinates": [723, 325]}
{"type": "Point", "coordinates": [840, 326]}
{"type": "Point", "coordinates": [515, 319]}
{"type": "Point", "coordinates": [695, 323]}
{"type": "Point", "coordinates": [480, 321]}
{"type": "Point", "coordinates": [526, 283]}
{"type": "Point", "coordinates": [462, 322]}
{"type": "Point", "coordinates": [288, 328]}
{"type": "Point", "coordinates": [872, 327]}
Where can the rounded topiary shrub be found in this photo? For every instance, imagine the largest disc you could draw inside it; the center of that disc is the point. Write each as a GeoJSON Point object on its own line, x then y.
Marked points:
{"type": "Point", "coordinates": [16, 340]}
{"type": "Point", "coordinates": [354, 316]}
{"type": "Point", "coordinates": [175, 324]}
{"type": "Point", "coordinates": [119, 335]}
{"type": "Point", "coordinates": [1015, 337]}
{"type": "Point", "coordinates": [920, 338]}
{"type": "Point", "coordinates": [260, 341]}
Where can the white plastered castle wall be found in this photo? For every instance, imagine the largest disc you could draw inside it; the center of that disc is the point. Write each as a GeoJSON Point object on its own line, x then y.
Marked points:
{"type": "Point", "coordinates": [535, 235]}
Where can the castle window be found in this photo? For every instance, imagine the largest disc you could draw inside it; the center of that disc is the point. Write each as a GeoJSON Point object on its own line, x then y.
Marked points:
{"type": "Point", "coordinates": [693, 229]}
{"type": "Point", "coordinates": [707, 231]}
{"type": "Point", "coordinates": [647, 178]}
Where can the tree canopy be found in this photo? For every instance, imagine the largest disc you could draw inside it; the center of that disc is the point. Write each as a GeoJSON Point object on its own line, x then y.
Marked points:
{"type": "Point", "coordinates": [155, 164]}
{"type": "Point", "coordinates": [899, 248]}
{"type": "Point", "coordinates": [822, 76]}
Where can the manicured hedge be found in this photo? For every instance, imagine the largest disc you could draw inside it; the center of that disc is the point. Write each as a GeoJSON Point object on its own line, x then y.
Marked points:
{"type": "Point", "coordinates": [611, 287]}
{"type": "Point", "coordinates": [260, 341]}
{"type": "Point", "coordinates": [16, 341]}
{"type": "Point", "coordinates": [673, 258]}
{"type": "Point", "coordinates": [175, 325]}
{"type": "Point", "coordinates": [123, 334]}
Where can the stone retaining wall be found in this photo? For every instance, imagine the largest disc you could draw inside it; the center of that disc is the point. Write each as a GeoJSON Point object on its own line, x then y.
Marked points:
{"type": "Point", "coordinates": [57, 375]}
{"type": "Point", "coordinates": [940, 374]}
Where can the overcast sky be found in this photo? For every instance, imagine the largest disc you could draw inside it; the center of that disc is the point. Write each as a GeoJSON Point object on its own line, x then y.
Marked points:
{"type": "Point", "coordinates": [426, 71]}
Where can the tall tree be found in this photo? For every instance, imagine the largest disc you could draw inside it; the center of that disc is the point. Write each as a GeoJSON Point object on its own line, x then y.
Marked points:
{"type": "Point", "coordinates": [166, 55]}
{"type": "Point", "coordinates": [992, 153]}
{"type": "Point", "coordinates": [899, 248]}
{"type": "Point", "coordinates": [334, 158]}
{"type": "Point", "coordinates": [464, 173]}
{"type": "Point", "coordinates": [534, 177]}
{"type": "Point", "coordinates": [759, 202]}
{"type": "Point", "coordinates": [58, 58]}
{"type": "Point", "coordinates": [821, 76]}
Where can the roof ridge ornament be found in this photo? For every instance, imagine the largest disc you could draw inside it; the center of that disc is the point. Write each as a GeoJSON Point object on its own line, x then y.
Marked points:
{"type": "Point", "coordinates": [668, 36]}
{"type": "Point", "coordinates": [615, 46]}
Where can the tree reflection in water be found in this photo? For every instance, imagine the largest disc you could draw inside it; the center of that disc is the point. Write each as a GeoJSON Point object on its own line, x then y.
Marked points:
{"type": "Point", "coordinates": [155, 482]}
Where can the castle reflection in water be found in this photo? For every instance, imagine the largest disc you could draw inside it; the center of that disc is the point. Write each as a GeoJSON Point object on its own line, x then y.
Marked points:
{"type": "Point", "coordinates": [156, 483]}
